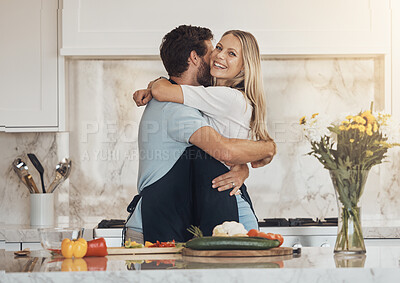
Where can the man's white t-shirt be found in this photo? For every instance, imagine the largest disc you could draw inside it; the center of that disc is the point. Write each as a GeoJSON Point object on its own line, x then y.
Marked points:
{"type": "Point", "coordinates": [224, 108]}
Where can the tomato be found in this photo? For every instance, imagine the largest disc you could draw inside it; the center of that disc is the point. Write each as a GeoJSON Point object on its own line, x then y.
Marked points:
{"type": "Point", "coordinates": [271, 236]}
{"type": "Point", "coordinates": [280, 238]}
{"type": "Point", "coordinates": [163, 244]}
{"type": "Point", "coordinates": [252, 233]}
{"type": "Point", "coordinates": [262, 235]}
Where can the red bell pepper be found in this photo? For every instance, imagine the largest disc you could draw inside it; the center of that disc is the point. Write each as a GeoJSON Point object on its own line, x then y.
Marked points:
{"type": "Point", "coordinates": [96, 263]}
{"type": "Point", "coordinates": [97, 247]}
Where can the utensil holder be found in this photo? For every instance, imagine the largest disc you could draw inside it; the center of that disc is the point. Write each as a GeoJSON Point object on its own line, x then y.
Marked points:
{"type": "Point", "coordinates": [42, 210]}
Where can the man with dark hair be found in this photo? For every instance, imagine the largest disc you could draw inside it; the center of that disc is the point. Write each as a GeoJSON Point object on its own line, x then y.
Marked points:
{"type": "Point", "coordinates": [176, 47]}
{"type": "Point", "coordinates": [174, 176]}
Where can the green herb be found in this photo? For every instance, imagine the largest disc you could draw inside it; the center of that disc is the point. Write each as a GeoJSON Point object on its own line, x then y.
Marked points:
{"type": "Point", "coordinates": [195, 231]}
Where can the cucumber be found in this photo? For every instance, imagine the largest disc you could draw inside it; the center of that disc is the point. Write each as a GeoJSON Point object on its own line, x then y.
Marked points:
{"type": "Point", "coordinates": [231, 243]}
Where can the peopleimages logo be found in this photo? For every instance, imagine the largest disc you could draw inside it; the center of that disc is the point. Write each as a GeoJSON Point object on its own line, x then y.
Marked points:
{"type": "Point", "coordinates": [127, 132]}
{"type": "Point", "coordinates": [113, 140]}
{"type": "Point", "coordinates": [131, 155]}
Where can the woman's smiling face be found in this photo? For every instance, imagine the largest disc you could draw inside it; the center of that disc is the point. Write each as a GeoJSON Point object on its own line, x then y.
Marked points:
{"type": "Point", "coordinates": [226, 59]}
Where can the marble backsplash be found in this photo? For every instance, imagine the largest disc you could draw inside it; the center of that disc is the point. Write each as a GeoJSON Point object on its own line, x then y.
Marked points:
{"type": "Point", "coordinates": [50, 148]}
{"type": "Point", "coordinates": [103, 128]}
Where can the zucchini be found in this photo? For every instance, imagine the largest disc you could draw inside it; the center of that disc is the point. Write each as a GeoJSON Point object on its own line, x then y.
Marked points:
{"type": "Point", "coordinates": [231, 243]}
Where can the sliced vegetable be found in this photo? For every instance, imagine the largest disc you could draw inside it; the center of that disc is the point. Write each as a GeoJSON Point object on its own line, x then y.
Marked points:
{"type": "Point", "coordinates": [97, 247]}
{"type": "Point", "coordinates": [132, 245]}
{"type": "Point", "coordinates": [159, 244]}
{"type": "Point", "coordinates": [231, 243]}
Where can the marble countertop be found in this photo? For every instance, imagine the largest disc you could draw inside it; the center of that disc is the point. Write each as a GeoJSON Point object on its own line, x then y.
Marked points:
{"type": "Point", "coordinates": [380, 264]}
{"type": "Point", "coordinates": [25, 233]}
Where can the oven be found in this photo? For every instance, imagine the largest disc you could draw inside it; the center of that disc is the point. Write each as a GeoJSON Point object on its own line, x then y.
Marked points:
{"type": "Point", "coordinates": [302, 232]}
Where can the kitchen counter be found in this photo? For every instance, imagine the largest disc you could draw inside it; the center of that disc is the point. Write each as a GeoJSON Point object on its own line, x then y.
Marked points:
{"type": "Point", "coordinates": [380, 264]}
{"type": "Point", "coordinates": [25, 233]}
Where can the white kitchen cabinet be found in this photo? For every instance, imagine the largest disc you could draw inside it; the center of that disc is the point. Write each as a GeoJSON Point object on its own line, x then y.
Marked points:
{"type": "Point", "coordinates": [13, 246]}
{"type": "Point", "coordinates": [285, 27]}
{"type": "Point", "coordinates": [29, 95]}
{"type": "Point", "coordinates": [32, 246]}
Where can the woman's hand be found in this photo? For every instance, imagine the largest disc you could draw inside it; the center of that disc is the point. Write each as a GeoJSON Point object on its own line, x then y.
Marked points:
{"type": "Point", "coordinates": [234, 179]}
{"type": "Point", "coordinates": [142, 97]}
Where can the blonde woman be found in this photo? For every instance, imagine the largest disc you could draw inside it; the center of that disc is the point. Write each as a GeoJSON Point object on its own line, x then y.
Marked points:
{"type": "Point", "coordinates": [234, 106]}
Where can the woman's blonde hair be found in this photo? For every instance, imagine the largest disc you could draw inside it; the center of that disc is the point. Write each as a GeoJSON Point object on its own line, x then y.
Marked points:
{"type": "Point", "coordinates": [251, 84]}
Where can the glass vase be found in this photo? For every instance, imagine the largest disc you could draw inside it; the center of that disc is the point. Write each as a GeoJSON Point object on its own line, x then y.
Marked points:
{"type": "Point", "coordinates": [349, 261]}
{"type": "Point", "coordinates": [349, 186]}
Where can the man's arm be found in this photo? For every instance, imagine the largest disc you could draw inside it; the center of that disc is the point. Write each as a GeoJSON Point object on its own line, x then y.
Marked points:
{"type": "Point", "coordinates": [233, 151]}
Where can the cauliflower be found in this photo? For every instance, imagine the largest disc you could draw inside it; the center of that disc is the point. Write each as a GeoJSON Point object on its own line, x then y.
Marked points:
{"type": "Point", "coordinates": [230, 228]}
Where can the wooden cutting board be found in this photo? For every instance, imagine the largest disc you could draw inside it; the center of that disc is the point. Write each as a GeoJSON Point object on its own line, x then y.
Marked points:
{"type": "Point", "coordinates": [125, 251]}
{"type": "Point", "coordinates": [238, 253]}
{"type": "Point", "coordinates": [139, 257]}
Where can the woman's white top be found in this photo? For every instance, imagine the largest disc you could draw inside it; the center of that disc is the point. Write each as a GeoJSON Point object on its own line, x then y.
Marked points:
{"type": "Point", "coordinates": [225, 109]}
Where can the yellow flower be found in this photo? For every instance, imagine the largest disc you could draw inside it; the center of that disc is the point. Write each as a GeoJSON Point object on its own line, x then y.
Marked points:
{"type": "Point", "coordinates": [342, 128]}
{"type": "Point", "coordinates": [349, 117]}
{"type": "Point", "coordinates": [314, 115]}
{"type": "Point", "coordinates": [354, 127]}
{"type": "Point", "coordinates": [348, 127]}
{"type": "Point", "coordinates": [351, 140]}
{"type": "Point", "coordinates": [369, 132]}
{"type": "Point", "coordinates": [303, 120]}
{"type": "Point", "coordinates": [368, 153]}
{"type": "Point", "coordinates": [360, 120]}
{"type": "Point", "coordinates": [368, 116]}
{"type": "Point", "coordinates": [345, 122]}
{"type": "Point", "coordinates": [361, 128]}
{"type": "Point", "coordinates": [375, 127]}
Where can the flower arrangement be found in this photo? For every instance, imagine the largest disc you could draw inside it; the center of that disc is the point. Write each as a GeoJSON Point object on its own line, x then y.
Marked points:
{"type": "Point", "coordinates": [348, 149]}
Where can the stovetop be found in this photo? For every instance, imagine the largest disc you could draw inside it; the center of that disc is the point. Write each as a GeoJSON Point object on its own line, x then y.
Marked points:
{"type": "Point", "coordinates": [295, 222]}
{"type": "Point", "coordinates": [111, 223]}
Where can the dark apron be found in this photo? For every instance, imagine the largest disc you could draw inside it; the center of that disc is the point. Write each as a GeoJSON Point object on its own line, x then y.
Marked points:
{"type": "Point", "coordinates": [184, 197]}
{"type": "Point", "coordinates": [212, 207]}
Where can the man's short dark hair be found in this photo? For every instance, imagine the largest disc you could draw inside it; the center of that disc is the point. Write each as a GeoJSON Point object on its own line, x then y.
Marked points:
{"type": "Point", "coordinates": [177, 44]}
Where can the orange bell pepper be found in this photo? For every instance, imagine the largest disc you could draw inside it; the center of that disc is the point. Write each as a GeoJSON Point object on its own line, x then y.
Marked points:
{"type": "Point", "coordinates": [75, 249]}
